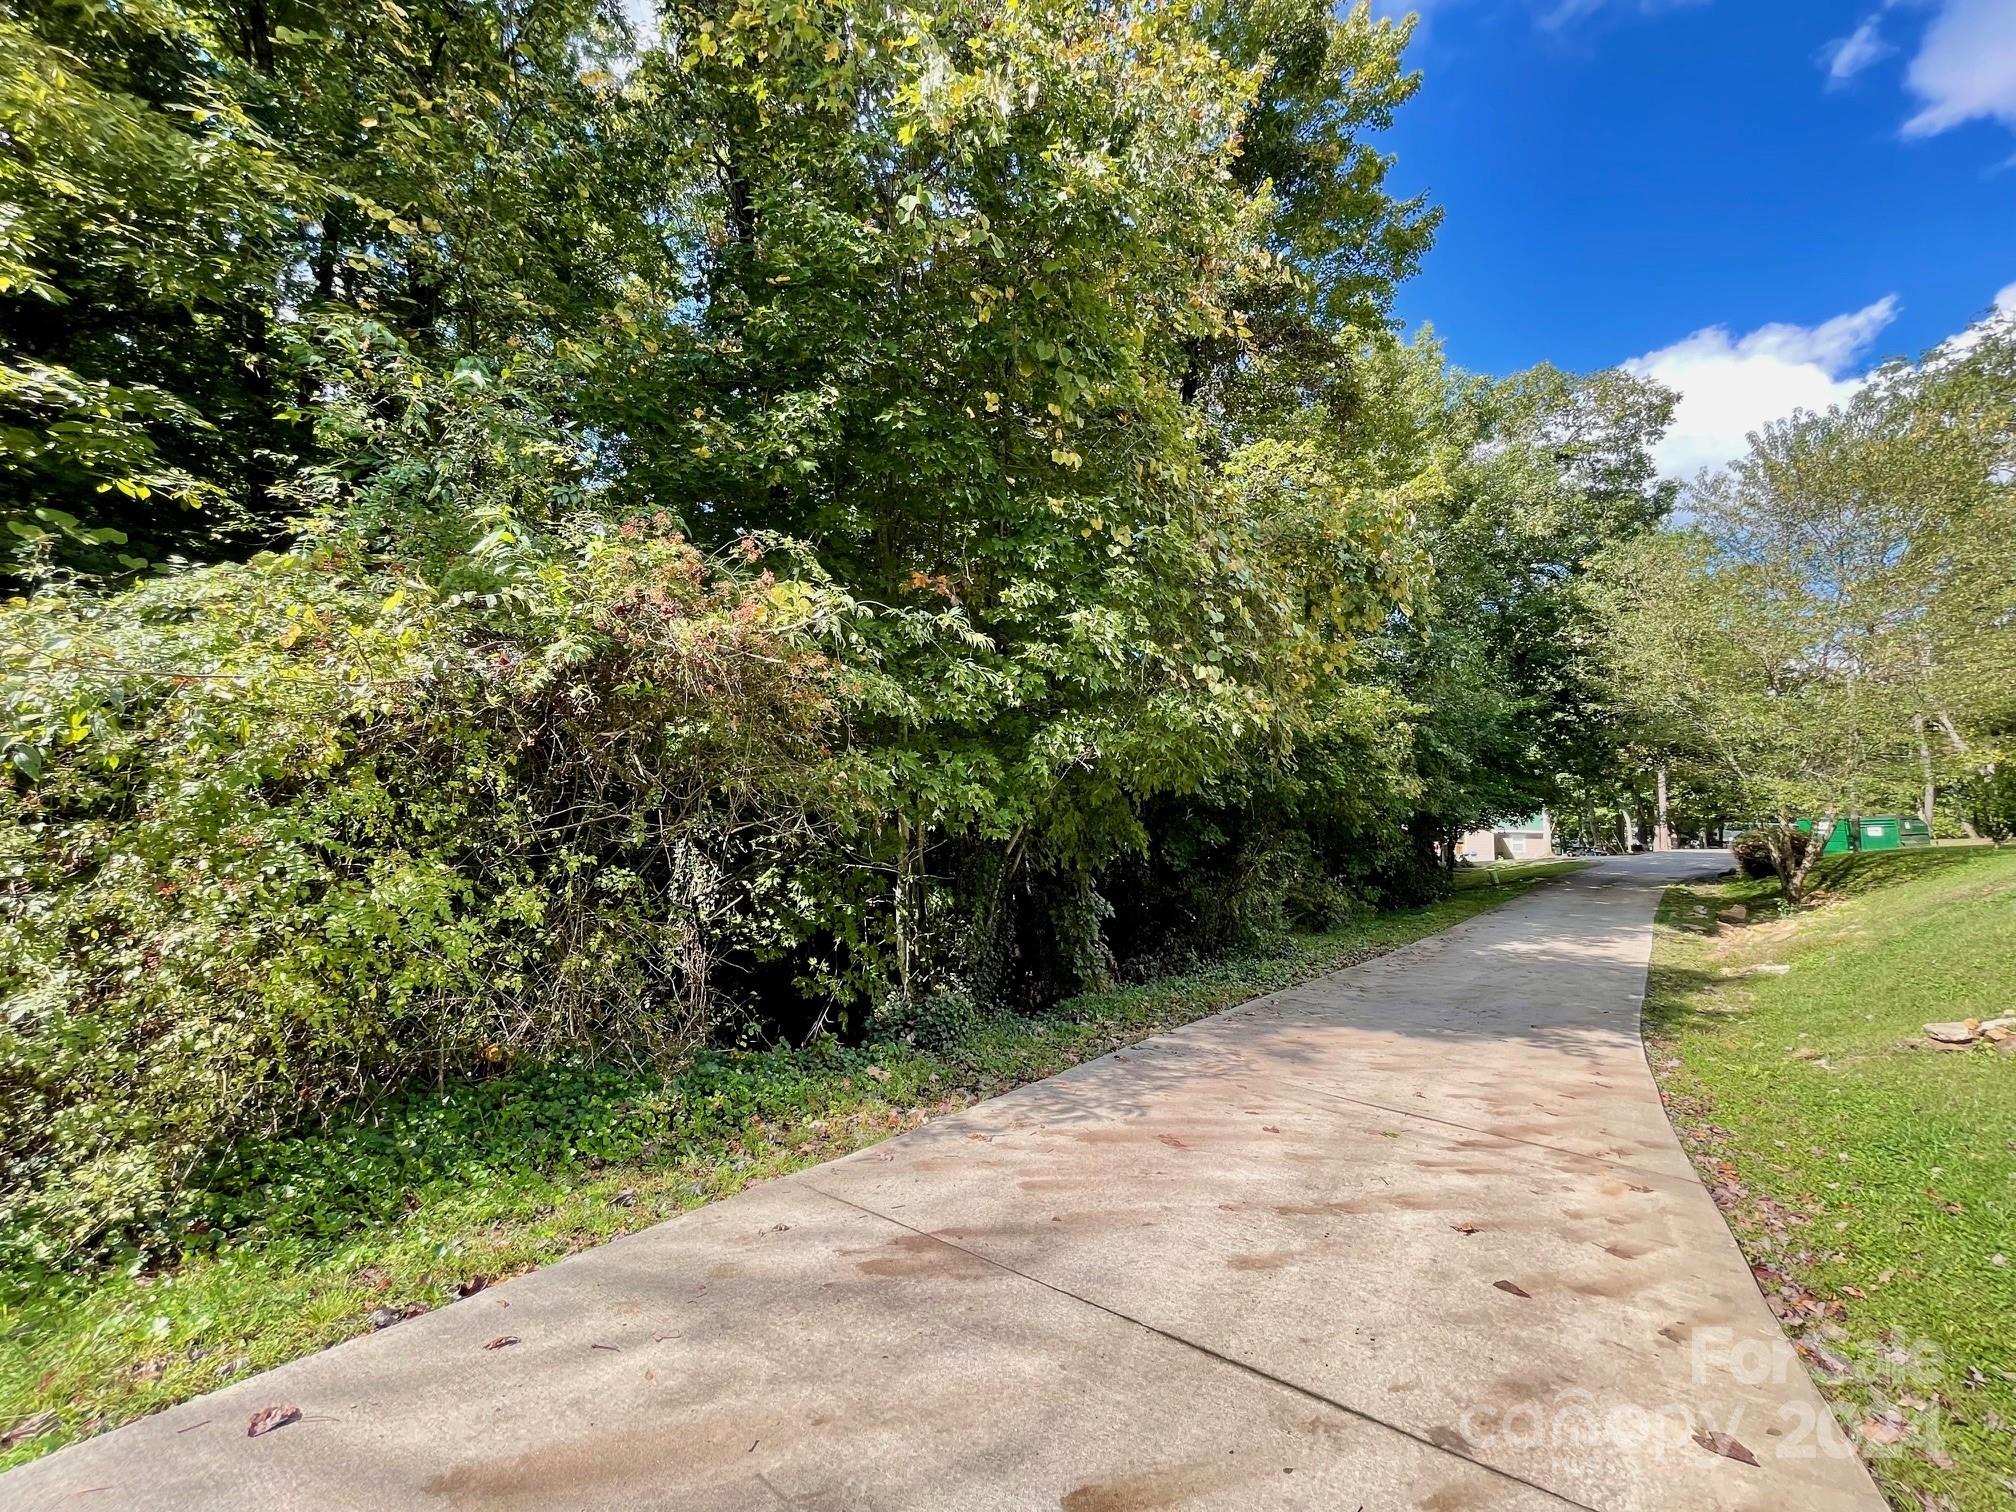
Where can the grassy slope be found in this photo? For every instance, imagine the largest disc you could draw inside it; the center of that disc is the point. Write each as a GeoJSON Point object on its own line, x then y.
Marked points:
{"type": "Point", "coordinates": [1499, 873]}
{"type": "Point", "coordinates": [1870, 1181]}
{"type": "Point", "coordinates": [109, 1352]}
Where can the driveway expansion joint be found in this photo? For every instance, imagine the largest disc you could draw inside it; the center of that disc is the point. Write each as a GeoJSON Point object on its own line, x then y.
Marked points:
{"type": "Point", "coordinates": [1205, 1350]}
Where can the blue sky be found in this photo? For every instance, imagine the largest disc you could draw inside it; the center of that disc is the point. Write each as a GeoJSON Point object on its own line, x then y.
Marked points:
{"type": "Point", "coordinates": [1754, 199]}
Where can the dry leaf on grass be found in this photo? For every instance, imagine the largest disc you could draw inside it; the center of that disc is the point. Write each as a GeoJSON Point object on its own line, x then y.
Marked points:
{"type": "Point", "coordinates": [1882, 1430]}
{"type": "Point", "coordinates": [28, 1428]}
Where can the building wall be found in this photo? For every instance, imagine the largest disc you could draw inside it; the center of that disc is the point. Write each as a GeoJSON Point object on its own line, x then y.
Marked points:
{"type": "Point", "coordinates": [1524, 842]}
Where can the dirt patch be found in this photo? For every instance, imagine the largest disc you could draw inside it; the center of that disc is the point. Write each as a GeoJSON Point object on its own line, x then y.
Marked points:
{"type": "Point", "coordinates": [1153, 1489]}
{"type": "Point", "coordinates": [1265, 1260]}
{"type": "Point", "coordinates": [919, 1255]}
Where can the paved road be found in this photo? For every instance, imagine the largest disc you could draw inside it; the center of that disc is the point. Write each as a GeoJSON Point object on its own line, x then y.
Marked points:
{"type": "Point", "coordinates": [1413, 1235]}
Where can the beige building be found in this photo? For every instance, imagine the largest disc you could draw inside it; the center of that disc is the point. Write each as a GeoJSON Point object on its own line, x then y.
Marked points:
{"type": "Point", "coordinates": [1527, 840]}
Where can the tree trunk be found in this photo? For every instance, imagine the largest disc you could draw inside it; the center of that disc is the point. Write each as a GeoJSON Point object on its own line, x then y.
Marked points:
{"type": "Point", "coordinates": [1193, 369]}
{"type": "Point", "coordinates": [256, 36]}
{"type": "Point", "coordinates": [1424, 833]}
{"type": "Point", "coordinates": [1662, 834]}
{"type": "Point", "coordinates": [1930, 797]}
{"type": "Point", "coordinates": [1952, 734]}
{"type": "Point", "coordinates": [1795, 871]}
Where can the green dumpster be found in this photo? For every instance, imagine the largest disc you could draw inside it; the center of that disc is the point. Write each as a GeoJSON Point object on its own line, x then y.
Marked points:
{"type": "Point", "coordinates": [1837, 837]}
{"type": "Point", "coordinates": [1873, 832]}
{"type": "Point", "coordinates": [1879, 834]}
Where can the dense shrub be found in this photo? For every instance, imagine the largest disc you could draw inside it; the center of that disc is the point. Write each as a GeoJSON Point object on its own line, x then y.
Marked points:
{"type": "Point", "coordinates": [297, 830]}
{"type": "Point", "coordinates": [1754, 856]}
{"type": "Point", "coordinates": [933, 1021]}
{"type": "Point", "coordinates": [1987, 800]}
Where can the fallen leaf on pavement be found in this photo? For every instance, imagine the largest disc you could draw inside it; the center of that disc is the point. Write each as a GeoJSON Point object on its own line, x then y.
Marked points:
{"type": "Point", "coordinates": [266, 1419]}
{"type": "Point", "coordinates": [1513, 1287]}
{"type": "Point", "coordinates": [1464, 1228]}
{"type": "Point", "coordinates": [1722, 1444]}
{"type": "Point", "coordinates": [502, 1341]}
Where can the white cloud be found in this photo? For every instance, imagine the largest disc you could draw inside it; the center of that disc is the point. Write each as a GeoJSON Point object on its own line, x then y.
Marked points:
{"type": "Point", "coordinates": [1847, 56]}
{"type": "Point", "coordinates": [1547, 15]}
{"type": "Point", "coordinates": [1568, 12]}
{"type": "Point", "coordinates": [1965, 67]}
{"type": "Point", "coordinates": [1557, 15]}
{"type": "Point", "coordinates": [1732, 385]}
{"type": "Point", "coordinates": [2004, 309]}
{"type": "Point", "coordinates": [1424, 12]}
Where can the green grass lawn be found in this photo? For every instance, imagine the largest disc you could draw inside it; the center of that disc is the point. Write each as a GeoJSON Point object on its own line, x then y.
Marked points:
{"type": "Point", "coordinates": [465, 1189]}
{"type": "Point", "coordinates": [1870, 1179]}
{"type": "Point", "coordinates": [1507, 873]}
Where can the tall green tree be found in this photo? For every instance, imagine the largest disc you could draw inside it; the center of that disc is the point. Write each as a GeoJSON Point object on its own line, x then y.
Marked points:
{"type": "Point", "coordinates": [199, 185]}
{"type": "Point", "coordinates": [957, 269]}
{"type": "Point", "coordinates": [847, 502]}
{"type": "Point", "coordinates": [139, 265]}
{"type": "Point", "coordinates": [1935, 443]}
{"type": "Point", "coordinates": [1539, 476]}
{"type": "Point", "coordinates": [1831, 632]}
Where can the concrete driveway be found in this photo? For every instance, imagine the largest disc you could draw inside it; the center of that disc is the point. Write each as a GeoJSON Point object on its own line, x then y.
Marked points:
{"type": "Point", "coordinates": [1413, 1235]}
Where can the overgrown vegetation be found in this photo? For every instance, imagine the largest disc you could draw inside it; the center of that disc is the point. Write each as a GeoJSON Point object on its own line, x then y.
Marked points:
{"type": "Point", "coordinates": [1869, 1174]}
{"type": "Point", "coordinates": [306, 1240]}
{"type": "Point", "coordinates": [1833, 633]}
{"type": "Point", "coordinates": [540, 547]}
{"type": "Point", "coordinates": [564, 582]}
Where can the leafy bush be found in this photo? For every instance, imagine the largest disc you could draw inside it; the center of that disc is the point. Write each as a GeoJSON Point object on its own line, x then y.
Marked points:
{"type": "Point", "coordinates": [932, 1022]}
{"type": "Point", "coordinates": [1754, 857]}
{"type": "Point", "coordinates": [301, 829]}
{"type": "Point", "coordinates": [1988, 802]}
